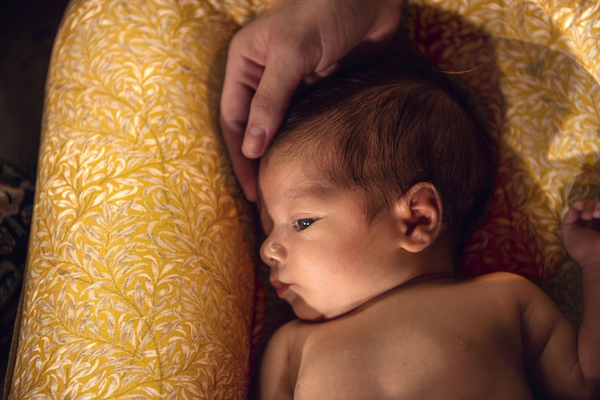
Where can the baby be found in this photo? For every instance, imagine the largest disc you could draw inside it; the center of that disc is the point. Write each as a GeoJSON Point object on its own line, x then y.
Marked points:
{"type": "Point", "coordinates": [375, 179]}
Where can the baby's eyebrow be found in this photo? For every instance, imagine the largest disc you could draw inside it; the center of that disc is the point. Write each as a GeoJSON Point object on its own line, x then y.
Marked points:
{"type": "Point", "coordinates": [313, 190]}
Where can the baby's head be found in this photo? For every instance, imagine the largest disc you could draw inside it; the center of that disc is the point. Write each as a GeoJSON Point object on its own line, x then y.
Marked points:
{"type": "Point", "coordinates": [377, 173]}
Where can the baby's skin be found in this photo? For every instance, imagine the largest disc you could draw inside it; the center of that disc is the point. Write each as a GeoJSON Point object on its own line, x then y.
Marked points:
{"type": "Point", "coordinates": [381, 316]}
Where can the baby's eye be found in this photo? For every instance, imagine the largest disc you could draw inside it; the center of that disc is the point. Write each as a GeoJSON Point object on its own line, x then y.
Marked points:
{"type": "Point", "coordinates": [304, 223]}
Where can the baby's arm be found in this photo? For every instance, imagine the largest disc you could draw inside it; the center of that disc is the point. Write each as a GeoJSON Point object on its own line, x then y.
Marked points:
{"type": "Point", "coordinates": [274, 371]}
{"type": "Point", "coordinates": [564, 363]}
{"type": "Point", "coordinates": [550, 351]}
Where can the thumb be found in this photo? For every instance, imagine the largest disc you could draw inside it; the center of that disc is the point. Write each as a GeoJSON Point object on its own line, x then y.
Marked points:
{"type": "Point", "coordinates": [281, 77]}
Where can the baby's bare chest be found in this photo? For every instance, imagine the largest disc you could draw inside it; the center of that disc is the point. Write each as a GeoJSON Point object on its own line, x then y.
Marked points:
{"type": "Point", "coordinates": [415, 352]}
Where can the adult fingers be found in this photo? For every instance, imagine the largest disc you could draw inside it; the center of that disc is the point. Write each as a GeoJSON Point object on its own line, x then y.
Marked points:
{"type": "Point", "coordinates": [385, 26]}
{"type": "Point", "coordinates": [244, 168]}
{"type": "Point", "coordinates": [310, 79]}
{"type": "Point", "coordinates": [282, 74]}
{"type": "Point", "coordinates": [241, 79]}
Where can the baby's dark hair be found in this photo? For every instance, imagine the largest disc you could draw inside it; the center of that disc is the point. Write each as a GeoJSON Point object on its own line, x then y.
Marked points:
{"type": "Point", "coordinates": [378, 127]}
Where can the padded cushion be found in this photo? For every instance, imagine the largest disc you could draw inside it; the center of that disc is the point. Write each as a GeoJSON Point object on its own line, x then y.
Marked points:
{"type": "Point", "coordinates": [140, 281]}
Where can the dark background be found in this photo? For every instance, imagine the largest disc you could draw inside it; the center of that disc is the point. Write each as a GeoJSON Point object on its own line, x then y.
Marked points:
{"type": "Point", "coordinates": [27, 32]}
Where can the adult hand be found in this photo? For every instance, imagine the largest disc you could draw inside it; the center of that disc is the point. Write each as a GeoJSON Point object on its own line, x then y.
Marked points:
{"type": "Point", "coordinates": [295, 42]}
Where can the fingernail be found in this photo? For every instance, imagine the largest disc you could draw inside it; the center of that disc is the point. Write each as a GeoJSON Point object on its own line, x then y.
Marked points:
{"type": "Point", "coordinates": [254, 141]}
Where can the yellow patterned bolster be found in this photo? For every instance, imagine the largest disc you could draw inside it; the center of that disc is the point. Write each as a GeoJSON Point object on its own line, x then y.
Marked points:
{"type": "Point", "coordinates": [139, 281]}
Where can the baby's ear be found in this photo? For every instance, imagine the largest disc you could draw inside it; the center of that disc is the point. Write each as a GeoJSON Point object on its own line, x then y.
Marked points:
{"type": "Point", "coordinates": [418, 217]}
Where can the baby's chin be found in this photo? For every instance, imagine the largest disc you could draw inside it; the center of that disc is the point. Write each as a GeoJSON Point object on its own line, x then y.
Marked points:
{"type": "Point", "coordinates": [310, 314]}
{"type": "Point", "coordinates": [306, 312]}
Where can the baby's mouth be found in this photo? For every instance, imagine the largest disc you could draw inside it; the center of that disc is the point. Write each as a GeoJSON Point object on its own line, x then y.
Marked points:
{"type": "Point", "coordinates": [282, 289]}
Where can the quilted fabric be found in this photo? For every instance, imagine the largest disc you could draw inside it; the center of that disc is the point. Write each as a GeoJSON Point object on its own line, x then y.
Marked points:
{"type": "Point", "coordinates": [140, 282]}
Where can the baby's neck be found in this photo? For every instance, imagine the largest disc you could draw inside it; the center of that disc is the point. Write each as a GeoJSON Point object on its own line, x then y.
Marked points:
{"type": "Point", "coordinates": [435, 262]}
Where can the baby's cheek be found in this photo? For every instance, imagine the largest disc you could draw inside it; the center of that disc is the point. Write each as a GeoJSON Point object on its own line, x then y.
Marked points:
{"type": "Point", "coordinates": [350, 256]}
{"type": "Point", "coordinates": [329, 270]}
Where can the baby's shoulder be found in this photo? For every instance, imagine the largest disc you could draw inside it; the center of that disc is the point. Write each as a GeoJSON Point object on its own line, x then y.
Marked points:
{"type": "Point", "coordinates": [503, 286]}
{"type": "Point", "coordinates": [500, 280]}
{"type": "Point", "coordinates": [500, 277]}
{"type": "Point", "coordinates": [288, 330]}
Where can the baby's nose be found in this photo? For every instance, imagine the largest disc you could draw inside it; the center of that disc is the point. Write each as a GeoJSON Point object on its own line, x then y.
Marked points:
{"type": "Point", "coordinates": [271, 252]}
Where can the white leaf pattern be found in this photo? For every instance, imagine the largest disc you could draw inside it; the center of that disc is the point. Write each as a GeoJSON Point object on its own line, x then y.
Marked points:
{"type": "Point", "coordinates": [130, 182]}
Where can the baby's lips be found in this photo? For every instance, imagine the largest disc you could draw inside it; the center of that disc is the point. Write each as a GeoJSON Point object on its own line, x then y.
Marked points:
{"type": "Point", "coordinates": [277, 283]}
